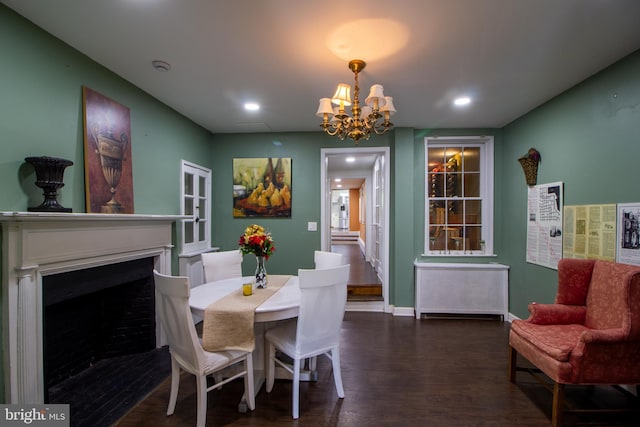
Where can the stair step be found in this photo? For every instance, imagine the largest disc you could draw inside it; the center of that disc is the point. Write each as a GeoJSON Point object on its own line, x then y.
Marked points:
{"type": "Point", "coordinates": [364, 290]}
{"type": "Point", "coordinates": [364, 298]}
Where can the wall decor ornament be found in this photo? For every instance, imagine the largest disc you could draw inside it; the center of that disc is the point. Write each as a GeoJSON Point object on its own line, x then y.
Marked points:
{"type": "Point", "coordinates": [49, 177]}
{"type": "Point", "coordinates": [261, 189]}
{"type": "Point", "coordinates": [529, 163]}
{"type": "Point", "coordinates": [107, 154]}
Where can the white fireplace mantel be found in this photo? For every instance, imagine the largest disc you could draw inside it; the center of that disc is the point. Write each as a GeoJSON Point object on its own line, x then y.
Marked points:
{"type": "Point", "coordinates": [37, 244]}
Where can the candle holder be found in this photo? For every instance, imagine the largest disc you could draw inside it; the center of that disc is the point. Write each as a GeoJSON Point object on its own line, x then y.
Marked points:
{"type": "Point", "coordinates": [49, 177]}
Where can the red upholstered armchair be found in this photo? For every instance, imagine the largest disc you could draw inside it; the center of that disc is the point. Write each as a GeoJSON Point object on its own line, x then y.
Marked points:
{"type": "Point", "coordinates": [590, 335]}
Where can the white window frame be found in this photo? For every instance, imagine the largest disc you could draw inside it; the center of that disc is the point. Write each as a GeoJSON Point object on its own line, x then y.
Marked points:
{"type": "Point", "coordinates": [485, 143]}
{"type": "Point", "coordinates": [198, 198]}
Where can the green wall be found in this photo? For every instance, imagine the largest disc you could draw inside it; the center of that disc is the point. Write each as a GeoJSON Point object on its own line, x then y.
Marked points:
{"type": "Point", "coordinates": [589, 138]}
{"type": "Point", "coordinates": [41, 82]}
{"type": "Point", "coordinates": [294, 244]}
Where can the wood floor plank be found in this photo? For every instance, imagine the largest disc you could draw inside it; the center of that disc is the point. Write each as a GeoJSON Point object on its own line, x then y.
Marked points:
{"type": "Point", "coordinates": [397, 371]}
{"type": "Point", "coordinates": [361, 271]}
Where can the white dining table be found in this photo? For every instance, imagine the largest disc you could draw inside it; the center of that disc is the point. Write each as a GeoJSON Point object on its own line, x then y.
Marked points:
{"type": "Point", "coordinates": [283, 304]}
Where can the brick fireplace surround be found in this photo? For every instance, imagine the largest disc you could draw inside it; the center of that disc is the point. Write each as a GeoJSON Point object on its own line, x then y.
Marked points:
{"type": "Point", "coordinates": [35, 245]}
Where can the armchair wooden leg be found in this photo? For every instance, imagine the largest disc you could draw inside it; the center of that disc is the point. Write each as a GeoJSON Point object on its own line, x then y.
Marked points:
{"type": "Point", "coordinates": [513, 355]}
{"type": "Point", "coordinates": [558, 405]}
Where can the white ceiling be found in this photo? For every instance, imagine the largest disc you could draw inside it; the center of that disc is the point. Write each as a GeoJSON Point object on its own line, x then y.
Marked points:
{"type": "Point", "coordinates": [351, 174]}
{"type": "Point", "coordinates": [509, 55]}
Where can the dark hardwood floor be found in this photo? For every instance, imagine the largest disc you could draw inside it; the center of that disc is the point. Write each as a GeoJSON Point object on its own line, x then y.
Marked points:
{"type": "Point", "coordinates": [363, 284]}
{"type": "Point", "coordinates": [361, 272]}
{"type": "Point", "coordinates": [397, 371]}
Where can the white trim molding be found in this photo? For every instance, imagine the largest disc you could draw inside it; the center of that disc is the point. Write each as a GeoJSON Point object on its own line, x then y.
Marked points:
{"type": "Point", "coordinates": [40, 244]}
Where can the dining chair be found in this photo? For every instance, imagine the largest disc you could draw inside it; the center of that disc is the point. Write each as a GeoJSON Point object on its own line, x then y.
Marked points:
{"type": "Point", "coordinates": [324, 259]}
{"type": "Point", "coordinates": [221, 265]}
{"type": "Point", "coordinates": [172, 302]}
{"type": "Point", "coordinates": [316, 331]}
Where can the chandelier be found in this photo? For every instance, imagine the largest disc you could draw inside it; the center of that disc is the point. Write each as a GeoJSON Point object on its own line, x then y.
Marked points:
{"type": "Point", "coordinates": [364, 121]}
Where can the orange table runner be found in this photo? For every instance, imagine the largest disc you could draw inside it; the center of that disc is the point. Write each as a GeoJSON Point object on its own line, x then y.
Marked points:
{"type": "Point", "coordinates": [228, 322]}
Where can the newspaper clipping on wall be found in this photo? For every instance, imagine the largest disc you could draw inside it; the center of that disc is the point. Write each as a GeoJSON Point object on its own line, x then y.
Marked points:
{"type": "Point", "coordinates": [590, 232]}
{"type": "Point", "coordinates": [544, 224]}
{"type": "Point", "coordinates": [628, 233]}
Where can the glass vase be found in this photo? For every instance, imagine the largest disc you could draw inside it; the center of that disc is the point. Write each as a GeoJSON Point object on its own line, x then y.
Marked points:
{"type": "Point", "coordinates": [261, 273]}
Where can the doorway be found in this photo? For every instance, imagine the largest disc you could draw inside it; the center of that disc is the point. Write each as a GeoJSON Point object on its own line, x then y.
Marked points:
{"type": "Point", "coordinates": [355, 221]}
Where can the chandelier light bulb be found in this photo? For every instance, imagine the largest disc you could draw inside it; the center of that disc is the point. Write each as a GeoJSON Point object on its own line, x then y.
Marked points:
{"type": "Point", "coordinates": [388, 105]}
{"type": "Point", "coordinates": [342, 96]}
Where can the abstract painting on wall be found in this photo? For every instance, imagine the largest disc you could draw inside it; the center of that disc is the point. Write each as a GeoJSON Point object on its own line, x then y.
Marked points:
{"type": "Point", "coordinates": [260, 188]}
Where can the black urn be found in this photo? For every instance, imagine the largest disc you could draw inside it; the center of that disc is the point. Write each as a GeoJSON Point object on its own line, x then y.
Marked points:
{"type": "Point", "coordinates": [49, 177]}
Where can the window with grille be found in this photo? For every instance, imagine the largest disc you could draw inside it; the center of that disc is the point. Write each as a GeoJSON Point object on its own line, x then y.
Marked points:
{"type": "Point", "coordinates": [459, 196]}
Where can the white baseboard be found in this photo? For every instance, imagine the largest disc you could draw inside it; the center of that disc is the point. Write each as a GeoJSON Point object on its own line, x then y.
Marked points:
{"type": "Point", "coordinates": [378, 306]}
{"type": "Point", "coordinates": [511, 318]}
{"type": "Point", "coordinates": [373, 306]}
{"type": "Point", "coordinates": [403, 311]}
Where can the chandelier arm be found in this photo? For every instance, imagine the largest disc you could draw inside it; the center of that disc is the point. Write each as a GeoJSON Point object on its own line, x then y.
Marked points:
{"type": "Point", "coordinates": [339, 127]}
{"type": "Point", "coordinates": [370, 122]}
{"type": "Point", "coordinates": [383, 127]}
{"type": "Point", "coordinates": [331, 132]}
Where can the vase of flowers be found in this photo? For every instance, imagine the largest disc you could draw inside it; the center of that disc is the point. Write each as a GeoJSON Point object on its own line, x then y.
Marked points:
{"type": "Point", "coordinates": [257, 241]}
{"type": "Point", "coordinates": [261, 273]}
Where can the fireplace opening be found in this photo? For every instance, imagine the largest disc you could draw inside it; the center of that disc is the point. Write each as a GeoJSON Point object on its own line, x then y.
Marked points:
{"type": "Point", "coordinates": [95, 314]}
{"type": "Point", "coordinates": [99, 335]}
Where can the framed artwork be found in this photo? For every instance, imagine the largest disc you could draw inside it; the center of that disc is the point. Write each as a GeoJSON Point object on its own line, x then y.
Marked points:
{"type": "Point", "coordinates": [107, 154]}
{"type": "Point", "coordinates": [260, 188]}
{"type": "Point", "coordinates": [589, 232]}
{"type": "Point", "coordinates": [628, 234]}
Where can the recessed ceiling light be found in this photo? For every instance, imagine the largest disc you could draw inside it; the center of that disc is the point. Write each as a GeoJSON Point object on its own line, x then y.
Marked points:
{"type": "Point", "coordinates": [251, 106]}
{"type": "Point", "coordinates": [338, 180]}
{"type": "Point", "coordinates": [339, 186]}
{"type": "Point", "coordinates": [461, 101]}
{"type": "Point", "coordinates": [350, 159]}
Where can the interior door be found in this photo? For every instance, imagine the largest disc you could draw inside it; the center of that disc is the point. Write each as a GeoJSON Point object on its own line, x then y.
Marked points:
{"type": "Point", "coordinates": [196, 188]}
{"type": "Point", "coordinates": [378, 216]}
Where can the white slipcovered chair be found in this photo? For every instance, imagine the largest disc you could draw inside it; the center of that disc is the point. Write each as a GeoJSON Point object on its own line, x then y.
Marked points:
{"type": "Point", "coordinates": [221, 265]}
{"type": "Point", "coordinates": [324, 259]}
{"type": "Point", "coordinates": [316, 331]}
{"type": "Point", "coordinates": [172, 302]}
